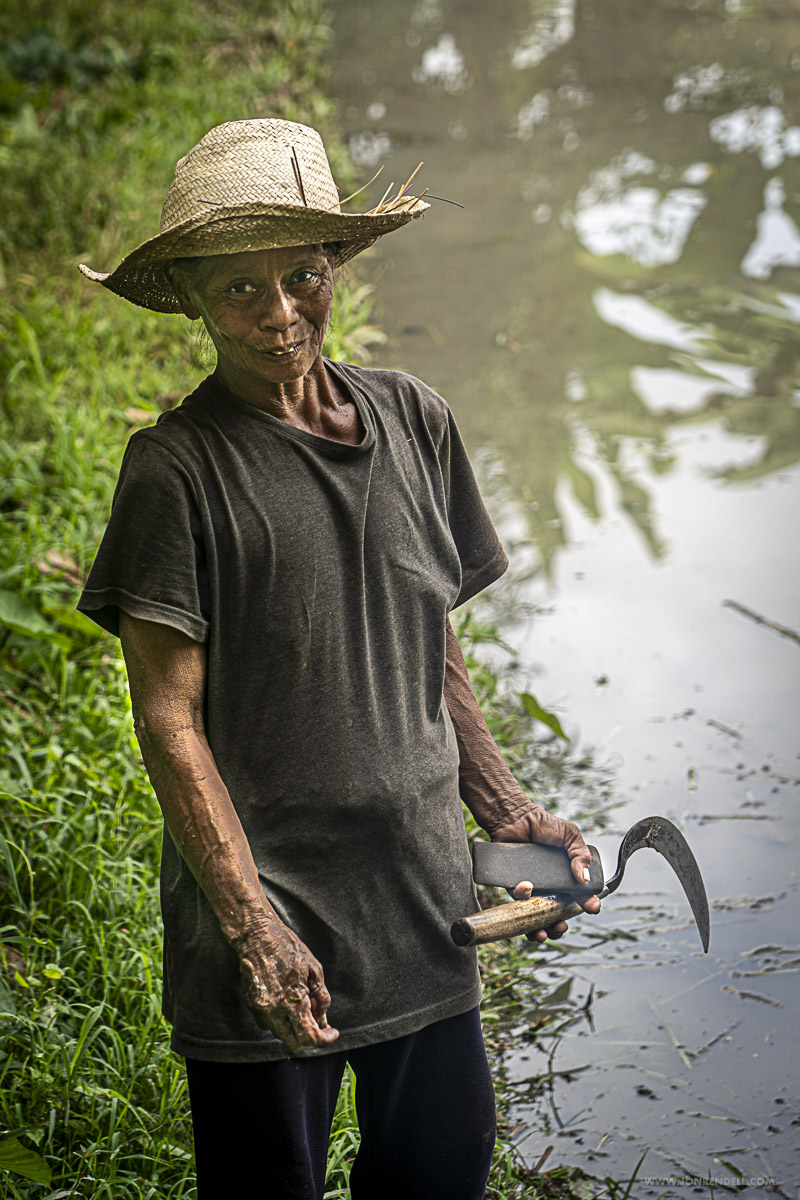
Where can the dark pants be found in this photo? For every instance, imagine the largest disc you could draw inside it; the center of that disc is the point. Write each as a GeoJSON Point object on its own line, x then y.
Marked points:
{"type": "Point", "coordinates": [425, 1108]}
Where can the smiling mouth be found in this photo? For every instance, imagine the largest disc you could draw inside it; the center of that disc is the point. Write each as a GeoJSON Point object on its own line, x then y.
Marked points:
{"type": "Point", "coordinates": [284, 351]}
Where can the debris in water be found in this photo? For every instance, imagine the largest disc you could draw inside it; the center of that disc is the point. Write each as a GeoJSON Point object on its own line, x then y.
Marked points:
{"type": "Point", "coordinates": [781, 630]}
{"type": "Point", "coordinates": [753, 996]}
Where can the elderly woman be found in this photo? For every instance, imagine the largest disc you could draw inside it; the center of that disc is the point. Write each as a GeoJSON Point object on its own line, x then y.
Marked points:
{"type": "Point", "coordinates": [282, 554]}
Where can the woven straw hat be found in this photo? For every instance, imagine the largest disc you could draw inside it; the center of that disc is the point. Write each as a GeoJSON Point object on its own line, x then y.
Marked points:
{"type": "Point", "coordinates": [250, 185]}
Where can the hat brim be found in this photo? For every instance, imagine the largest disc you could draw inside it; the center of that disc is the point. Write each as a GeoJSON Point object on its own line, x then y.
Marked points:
{"type": "Point", "coordinates": [143, 278]}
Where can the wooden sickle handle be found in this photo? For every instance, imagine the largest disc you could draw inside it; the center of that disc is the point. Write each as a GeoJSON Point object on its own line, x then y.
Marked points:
{"type": "Point", "coordinates": [510, 920]}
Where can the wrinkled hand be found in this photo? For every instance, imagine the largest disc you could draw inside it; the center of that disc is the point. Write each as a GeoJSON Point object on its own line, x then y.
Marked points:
{"type": "Point", "coordinates": [537, 825]}
{"type": "Point", "coordinates": [284, 988]}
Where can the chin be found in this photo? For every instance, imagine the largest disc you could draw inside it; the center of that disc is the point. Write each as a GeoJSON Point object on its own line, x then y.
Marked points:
{"type": "Point", "coordinates": [279, 373]}
{"type": "Point", "coordinates": [282, 368]}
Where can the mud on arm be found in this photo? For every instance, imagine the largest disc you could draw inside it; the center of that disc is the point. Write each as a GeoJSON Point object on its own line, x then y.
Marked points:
{"type": "Point", "coordinates": [282, 982]}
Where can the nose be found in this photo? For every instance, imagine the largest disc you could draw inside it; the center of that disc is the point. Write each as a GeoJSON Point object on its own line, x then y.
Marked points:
{"type": "Point", "coordinates": [278, 310]}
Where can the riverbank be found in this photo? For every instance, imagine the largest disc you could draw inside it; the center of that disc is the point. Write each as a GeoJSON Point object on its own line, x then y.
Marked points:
{"type": "Point", "coordinates": [95, 107]}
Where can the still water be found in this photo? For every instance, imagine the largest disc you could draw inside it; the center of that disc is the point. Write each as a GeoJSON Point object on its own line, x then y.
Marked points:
{"type": "Point", "coordinates": [614, 318]}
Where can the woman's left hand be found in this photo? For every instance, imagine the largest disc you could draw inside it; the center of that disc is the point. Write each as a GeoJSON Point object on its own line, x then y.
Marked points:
{"type": "Point", "coordinates": [537, 825]}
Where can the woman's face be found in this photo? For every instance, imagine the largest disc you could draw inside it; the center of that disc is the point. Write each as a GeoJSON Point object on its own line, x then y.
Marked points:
{"type": "Point", "coordinates": [266, 312]}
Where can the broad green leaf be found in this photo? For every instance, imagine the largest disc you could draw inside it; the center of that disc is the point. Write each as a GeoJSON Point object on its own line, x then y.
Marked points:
{"type": "Point", "coordinates": [27, 1163]}
{"type": "Point", "coordinates": [70, 618]}
{"type": "Point", "coordinates": [18, 615]}
{"type": "Point", "coordinates": [534, 709]}
{"type": "Point", "coordinates": [7, 1004]}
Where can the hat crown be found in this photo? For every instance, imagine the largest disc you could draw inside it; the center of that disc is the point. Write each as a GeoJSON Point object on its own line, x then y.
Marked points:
{"type": "Point", "coordinates": [251, 185]}
{"type": "Point", "coordinates": [251, 162]}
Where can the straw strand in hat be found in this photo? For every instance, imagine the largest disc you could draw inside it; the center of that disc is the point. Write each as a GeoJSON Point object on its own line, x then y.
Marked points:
{"type": "Point", "coordinates": [250, 185]}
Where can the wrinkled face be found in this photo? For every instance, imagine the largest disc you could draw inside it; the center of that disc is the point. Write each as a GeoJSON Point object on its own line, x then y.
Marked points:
{"type": "Point", "coordinates": [266, 312]}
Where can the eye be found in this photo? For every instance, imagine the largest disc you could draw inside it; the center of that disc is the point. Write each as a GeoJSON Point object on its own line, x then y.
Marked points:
{"type": "Point", "coordinates": [305, 275]}
{"type": "Point", "coordinates": [241, 287]}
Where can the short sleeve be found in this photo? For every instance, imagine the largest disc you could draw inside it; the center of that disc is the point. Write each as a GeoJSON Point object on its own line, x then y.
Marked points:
{"type": "Point", "coordinates": [483, 559]}
{"type": "Point", "coordinates": [151, 561]}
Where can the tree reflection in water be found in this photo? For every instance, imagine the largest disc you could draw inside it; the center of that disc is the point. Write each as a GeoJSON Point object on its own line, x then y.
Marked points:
{"type": "Point", "coordinates": [622, 269]}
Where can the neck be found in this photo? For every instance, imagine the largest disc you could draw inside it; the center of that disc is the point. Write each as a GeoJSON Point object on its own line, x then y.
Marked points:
{"type": "Point", "coordinates": [314, 402]}
{"type": "Point", "coordinates": [296, 397]}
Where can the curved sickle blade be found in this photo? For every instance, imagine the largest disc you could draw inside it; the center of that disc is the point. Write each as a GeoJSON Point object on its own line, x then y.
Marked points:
{"type": "Point", "coordinates": [667, 839]}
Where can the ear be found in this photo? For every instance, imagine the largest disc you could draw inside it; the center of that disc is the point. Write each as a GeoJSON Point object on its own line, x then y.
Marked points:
{"type": "Point", "coordinates": [188, 306]}
{"type": "Point", "coordinates": [180, 286]}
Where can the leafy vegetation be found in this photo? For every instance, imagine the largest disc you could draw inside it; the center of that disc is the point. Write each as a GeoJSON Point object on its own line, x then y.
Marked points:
{"type": "Point", "coordinates": [95, 108]}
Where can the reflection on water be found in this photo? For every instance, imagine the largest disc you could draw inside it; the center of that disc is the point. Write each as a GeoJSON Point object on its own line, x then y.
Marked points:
{"type": "Point", "coordinates": [626, 172]}
{"type": "Point", "coordinates": [614, 317]}
{"type": "Point", "coordinates": [614, 216]}
{"type": "Point", "coordinates": [443, 65]}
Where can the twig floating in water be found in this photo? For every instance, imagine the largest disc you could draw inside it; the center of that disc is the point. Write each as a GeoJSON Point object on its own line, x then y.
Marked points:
{"type": "Point", "coordinates": [781, 630]}
{"type": "Point", "coordinates": [724, 1033]}
{"type": "Point", "coordinates": [542, 1160]}
{"type": "Point", "coordinates": [734, 733]}
{"type": "Point", "coordinates": [679, 1046]}
{"type": "Point", "coordinates": [753, 996]}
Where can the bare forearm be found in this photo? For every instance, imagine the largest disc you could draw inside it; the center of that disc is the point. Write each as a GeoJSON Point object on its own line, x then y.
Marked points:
{"type": "Point", "coordinates": [488, 788]}
{"type": "Point", "coordinates": [204, 825]}
{"type": "Point", "coordinates": [166, 672]}
{"type": "Point", "coordinates": [282, 983]}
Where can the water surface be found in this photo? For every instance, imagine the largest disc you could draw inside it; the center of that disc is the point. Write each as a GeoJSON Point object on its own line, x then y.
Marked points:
{"type": "Point", "coordinates": [614, 318]}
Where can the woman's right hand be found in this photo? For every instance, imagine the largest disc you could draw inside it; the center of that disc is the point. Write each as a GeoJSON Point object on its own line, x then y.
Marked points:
{"type": "Point", "coordinates": [284, 988]}
{"type": "Point", "coordinates": [282, 982]}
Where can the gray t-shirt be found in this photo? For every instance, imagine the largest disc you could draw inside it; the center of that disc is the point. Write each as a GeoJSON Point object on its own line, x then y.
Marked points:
{"type": "Point", "coordinates": [320, 575]}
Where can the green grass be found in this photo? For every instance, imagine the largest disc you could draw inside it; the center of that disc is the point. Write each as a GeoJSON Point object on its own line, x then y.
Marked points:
{"type": "Point", "coordinates": [95, 107]}
{"type": "Point", "coordinates": [85, 1074]}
